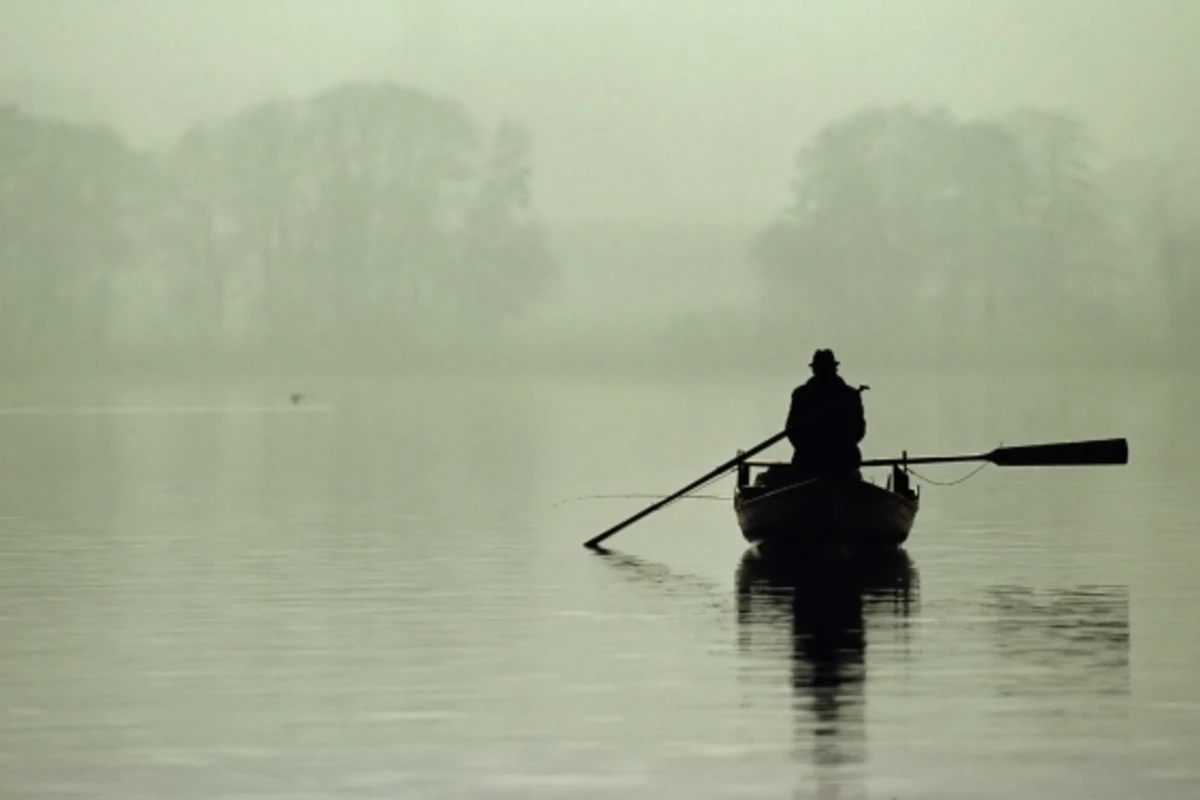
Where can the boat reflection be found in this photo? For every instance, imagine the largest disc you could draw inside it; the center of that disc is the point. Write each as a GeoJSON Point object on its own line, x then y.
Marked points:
{"type": "Point", "coordinates": [826, 609]}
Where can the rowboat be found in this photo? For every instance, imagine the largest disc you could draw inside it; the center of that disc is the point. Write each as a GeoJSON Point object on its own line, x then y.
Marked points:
{"type": "Point", "coordinates": [827, 515]}
{"type": "Point", "coordinates": [776, 510]}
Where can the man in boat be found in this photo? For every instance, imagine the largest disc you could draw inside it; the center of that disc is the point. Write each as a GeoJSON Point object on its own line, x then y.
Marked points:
{"type": "Point", "coordinates": [826, 422]}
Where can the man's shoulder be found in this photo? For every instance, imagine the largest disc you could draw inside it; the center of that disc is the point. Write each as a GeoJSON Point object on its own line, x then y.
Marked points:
{"type": "Point", "coordinates": [834, 384]}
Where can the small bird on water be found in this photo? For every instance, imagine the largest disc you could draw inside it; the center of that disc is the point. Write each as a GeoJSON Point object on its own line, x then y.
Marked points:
{"type": "Point", "coordinates": [296, 398]}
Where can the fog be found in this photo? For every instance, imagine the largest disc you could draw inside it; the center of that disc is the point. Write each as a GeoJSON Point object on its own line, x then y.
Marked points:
{"type": "Point", "coordinates": [702, 185]}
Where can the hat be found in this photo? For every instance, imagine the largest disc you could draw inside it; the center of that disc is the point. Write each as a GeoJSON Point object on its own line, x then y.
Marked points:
{"type": "Point", "coordinates": [823, 358]}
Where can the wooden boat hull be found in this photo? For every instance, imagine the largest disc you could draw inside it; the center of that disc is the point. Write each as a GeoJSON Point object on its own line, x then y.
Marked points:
{"type": "Point", "coordinates": [825, 515]}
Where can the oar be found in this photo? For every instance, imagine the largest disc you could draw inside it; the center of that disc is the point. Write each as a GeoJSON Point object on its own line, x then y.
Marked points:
{"type": "Point", "coordinates": [1053, 454]}
{"type": "Point", "coordinates": [716, 471]}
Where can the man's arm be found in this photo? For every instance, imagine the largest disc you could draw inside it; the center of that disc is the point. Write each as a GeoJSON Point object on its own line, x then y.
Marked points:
{"type": "Point", "coordinates": [858, 416]}
{"type": "Point", "coordinates": [795, 416]}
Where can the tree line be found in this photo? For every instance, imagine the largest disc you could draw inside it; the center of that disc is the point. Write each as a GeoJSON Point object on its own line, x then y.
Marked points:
{"type": "Point", "coordinates": [378, 223]}
{"type": "Point", "coordinates": [977, 241]}
{"type": "Point", "coordinates": [370, 220]}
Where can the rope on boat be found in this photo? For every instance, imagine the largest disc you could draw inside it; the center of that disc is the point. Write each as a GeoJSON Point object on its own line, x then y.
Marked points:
{"type": "Point", "coordinates": [954, 482]}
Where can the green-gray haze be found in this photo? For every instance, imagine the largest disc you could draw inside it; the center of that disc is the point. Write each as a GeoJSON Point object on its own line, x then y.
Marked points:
{"type": "Point", "coordinates": [617, 230]}
{"type": "Point", "coordinates": [597, 183]}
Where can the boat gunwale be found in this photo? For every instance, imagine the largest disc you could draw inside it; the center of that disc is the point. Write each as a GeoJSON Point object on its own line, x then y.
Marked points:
{"type": "Point", "coordinates": [742, 501]}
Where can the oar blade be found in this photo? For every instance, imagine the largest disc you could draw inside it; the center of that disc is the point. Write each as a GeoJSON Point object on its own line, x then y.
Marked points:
{"type": "Point", "coordinates": [1096, 452]}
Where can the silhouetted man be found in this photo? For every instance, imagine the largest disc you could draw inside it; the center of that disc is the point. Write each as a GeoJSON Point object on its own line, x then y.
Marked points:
{"type": "Point", "coordinates": [826, 422]}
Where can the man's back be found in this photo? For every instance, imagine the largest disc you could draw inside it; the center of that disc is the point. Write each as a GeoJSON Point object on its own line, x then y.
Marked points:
{"type": "Point", "coordinates": [826, 407]}
{"type": "Point", "coordinates": [826, 422]}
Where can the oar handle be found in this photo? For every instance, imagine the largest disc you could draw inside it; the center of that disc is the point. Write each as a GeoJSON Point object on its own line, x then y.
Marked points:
{"type": "Point", "coordinates": [728, 465]}
{"type": "Point", "coordinates": [890, 462]}
{"type": "Point", "coordinates": [1090, 452]}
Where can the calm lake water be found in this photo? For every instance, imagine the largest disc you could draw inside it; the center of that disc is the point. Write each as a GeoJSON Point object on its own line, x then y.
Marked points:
{"type": "Point", "coordinates": [380, 593]}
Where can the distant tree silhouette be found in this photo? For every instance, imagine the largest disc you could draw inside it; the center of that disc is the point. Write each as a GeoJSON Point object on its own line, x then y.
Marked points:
{"type": "Point", "coordinates": [910, 222]}
{"type": "Point", "coordinates": [1071, 224]}
{"type": "Point", "coordinates": [1163, 202]}
{"type": "Point", "coordinates": [366, 217]}
{"type": "Point", "coordinates": [368, 210]}
{"type": "Point", "coordinates": [503, 252]}
{"type": "Point", "coordinates": [67, 193]}
{"type": "Point", "coordinates": [373, 219]}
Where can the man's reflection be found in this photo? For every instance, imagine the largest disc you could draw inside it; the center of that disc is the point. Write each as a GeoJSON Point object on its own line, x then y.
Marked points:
{"type": "Point", "coordinates": [827, 608]}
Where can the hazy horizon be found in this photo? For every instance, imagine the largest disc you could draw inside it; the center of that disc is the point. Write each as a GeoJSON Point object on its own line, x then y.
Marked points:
{"type": "Point", "coordinates": [638, 111]}
{"type": "Point", "coordinates": [725, 183]}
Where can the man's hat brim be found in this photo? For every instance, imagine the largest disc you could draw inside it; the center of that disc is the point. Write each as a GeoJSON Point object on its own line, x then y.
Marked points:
{"type": "Point", "coordinates": [823, 358]}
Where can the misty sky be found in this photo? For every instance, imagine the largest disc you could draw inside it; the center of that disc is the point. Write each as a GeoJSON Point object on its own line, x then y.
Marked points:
{"type": "Point", "coordinates": [666, 109]}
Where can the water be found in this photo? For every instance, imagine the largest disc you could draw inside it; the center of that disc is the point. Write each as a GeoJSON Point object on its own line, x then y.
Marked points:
{"type": "Point", "coordinates": [209, 592]}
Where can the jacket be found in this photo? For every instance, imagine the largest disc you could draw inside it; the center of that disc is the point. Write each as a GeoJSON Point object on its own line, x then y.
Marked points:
{"type": "Point", "coordinates": [826, 416]}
